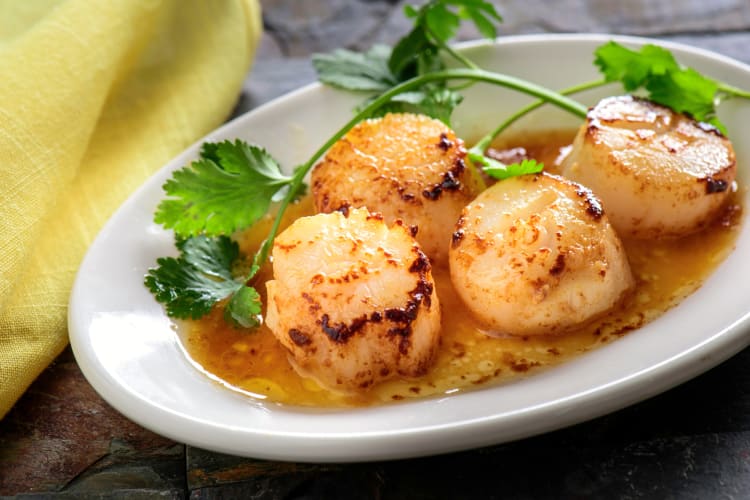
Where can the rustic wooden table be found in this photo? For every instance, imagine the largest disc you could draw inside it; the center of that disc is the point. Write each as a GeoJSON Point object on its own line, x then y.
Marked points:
{"type": "Point", "coordinates": [62, 440]}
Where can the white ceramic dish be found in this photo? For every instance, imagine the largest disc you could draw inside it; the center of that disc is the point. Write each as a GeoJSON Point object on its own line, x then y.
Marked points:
{"type": "Point", "coordinates": [128, 349]}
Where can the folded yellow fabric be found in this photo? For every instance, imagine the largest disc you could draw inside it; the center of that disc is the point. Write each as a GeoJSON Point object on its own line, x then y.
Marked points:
{"type": "Point", "coordinates": [95, 97]}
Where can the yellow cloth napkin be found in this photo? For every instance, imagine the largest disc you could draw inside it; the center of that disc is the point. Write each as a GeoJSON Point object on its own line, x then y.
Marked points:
{"type": "Point", "coordinates": [94, 97]}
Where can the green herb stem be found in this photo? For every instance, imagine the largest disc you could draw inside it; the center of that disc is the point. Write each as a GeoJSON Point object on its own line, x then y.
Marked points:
{"type": "Point", "coordinates": [449, 74]}
{"type": "Point", "coordinates": [519, 84]}
{"type": "Point", "coordinates": [296, 183]}
{"type": "Point", "coordinates": [485, 141]}
{"type": "Point", "coordinates": [734, 91]}
{"type": "Point", "coordinates": [456, 55]}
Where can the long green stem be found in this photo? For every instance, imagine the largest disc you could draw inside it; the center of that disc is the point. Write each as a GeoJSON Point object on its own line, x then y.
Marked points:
{"type": "Point", "coordinates": [448, 74]}
{"type": "Point", "coordinates": [734, 91]}
{"type": "Point", "coordinates": [519, 84]}
{"type": "Point", "coordinates": [485, 141]}
{"type": "Point", "coordinates": [444, 46]}
{"type": "Point", "coordinates": [464, 60]}
{"type": "Point", "coordinates": [262, 254]}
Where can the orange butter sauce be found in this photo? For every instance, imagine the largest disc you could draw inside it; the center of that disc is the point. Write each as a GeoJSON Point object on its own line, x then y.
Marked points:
{"type": "Point", "coordinates": [255, 363]}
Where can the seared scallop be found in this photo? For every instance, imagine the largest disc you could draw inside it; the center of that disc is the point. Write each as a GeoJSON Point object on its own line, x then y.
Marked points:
{"type": "Point", "coordinates": [405, 166]}
{"type": "Point", "coordinates": [536, 255]}
{"type": "Point", "coordinates": [660, 174]}
{"type": "Point", "coordinates": [353, 300]}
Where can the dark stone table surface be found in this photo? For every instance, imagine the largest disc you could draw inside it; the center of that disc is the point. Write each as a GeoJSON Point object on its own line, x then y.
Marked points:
{"type": "Point", "coordinates": [63, 441]}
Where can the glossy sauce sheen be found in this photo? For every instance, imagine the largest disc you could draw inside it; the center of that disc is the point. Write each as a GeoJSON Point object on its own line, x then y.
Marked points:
{"type": "Point", "coordinates": [254, 363]}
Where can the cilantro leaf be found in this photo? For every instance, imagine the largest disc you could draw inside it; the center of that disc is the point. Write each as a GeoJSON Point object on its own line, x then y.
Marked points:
{"type": "Point", "coordinates": [435, 23]}
{"type": "Point", "coordinates": [440, 21]}
{"type": "Point", "coordinates": [416, 54]}
{"type": "Point", "coordinates": [499, 170]}
{"type": "Point", "coordinates": [244, 308]}
{"type": "Point", "coordinates": [192, 283]}
{"type": "Point", "coordinates": [434, 101]}
{"type": "Point", "coordinates": [229, 187]}
{"type": "Point", "coordinates": [413, 51]}
{"type": "Point", "coordinates": [356, 71]}
{"type": "Point", "coordinates": [370, 72]}
{"type": "Point", "coordinates": [482, 13]}
{"type": "Point", "coordinates": [655, 69]}
{"type": "Point", "coordinates": [620, 64]}
{"type": "Point", "coordinates": [687, 91]}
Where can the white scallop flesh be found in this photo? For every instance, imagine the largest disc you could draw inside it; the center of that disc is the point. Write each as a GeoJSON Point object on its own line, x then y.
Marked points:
{"type": "Point", "coordinates": [659, 174]}
{"type": "Point", "coordinates": [536, 255]}
{"type": "Point", "coordinates": [405, 166]}
{"type": "Point", "coordinates": [353, 300]}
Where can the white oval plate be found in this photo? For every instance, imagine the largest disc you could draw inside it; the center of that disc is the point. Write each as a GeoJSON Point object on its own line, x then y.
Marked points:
{"type": "Point", "coordinates": [128, 349]}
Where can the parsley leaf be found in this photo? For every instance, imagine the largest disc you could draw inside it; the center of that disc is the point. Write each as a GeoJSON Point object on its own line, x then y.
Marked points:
{"type": "Point", "coordinates": [229, 187]}
{"type": "Point", "coordinates": [191, 284]}
{"type": "Point", "coordinates": [655, 69]}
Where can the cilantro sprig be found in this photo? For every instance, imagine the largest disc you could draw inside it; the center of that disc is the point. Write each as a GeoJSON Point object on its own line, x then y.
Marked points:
{"type": "Point", "coordinates": [229, 187]}
{"type": "Point", "coordinates": [190, 285]}
{"type": "Point", "coordinates": [416, 54]}
{"type": "Point", "coordinates": [655, 69]}
{"type": "Point", "coordinates": [500, 171]}
{"type": "Point", "coordinates": [349, 70]}
{"type": "Point", "coordinates": [435, 23]}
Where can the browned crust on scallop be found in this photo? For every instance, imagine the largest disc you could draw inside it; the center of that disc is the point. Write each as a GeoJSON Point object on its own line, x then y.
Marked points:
{"type": "Point", "coordinates": [397, 337]}
{"type": "Point", "coordinates": [401, 318]}
{"type": "Point", "coordinates": [448, 146]}
{"type": "Point", "coordinates": [534, 258]}
{"type": "Point", "coordinates": [636, 139]}
{"type": "Point", "coordinates": [404, 166]}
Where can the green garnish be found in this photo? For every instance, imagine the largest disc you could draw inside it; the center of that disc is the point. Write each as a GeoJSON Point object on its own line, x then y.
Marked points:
{"type": "Point", "coordinates": [191, 284]}
{"type": "Point", "coordinates": [244, 308]}
{"type": "Point", "coordinates": [229, 187]}
{"type": "Point", "coordinates": [435, 23]}
{"type": "Point", "coordinates": [502, 171]}
{"type": "Point", "coordinates": [668, 83]}
{"type": "Point", "coordinates": [418, 53]}
{"type": "Point", "coordinates": [633, 69]}
{"type": "Point", "coordinates": [349, 70]}
{"type": "Point", "coordinates": [655, 69]}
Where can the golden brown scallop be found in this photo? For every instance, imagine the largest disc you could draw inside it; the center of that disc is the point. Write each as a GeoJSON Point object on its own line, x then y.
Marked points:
{"type": "Point", "coordinates": [353, 300]}
{"type": "Point", "coordinates": [405, 166]}
{"type": "Point", "coordinates": [658, 173]}
{"type": "Point", "coordinates": [536, 255]}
